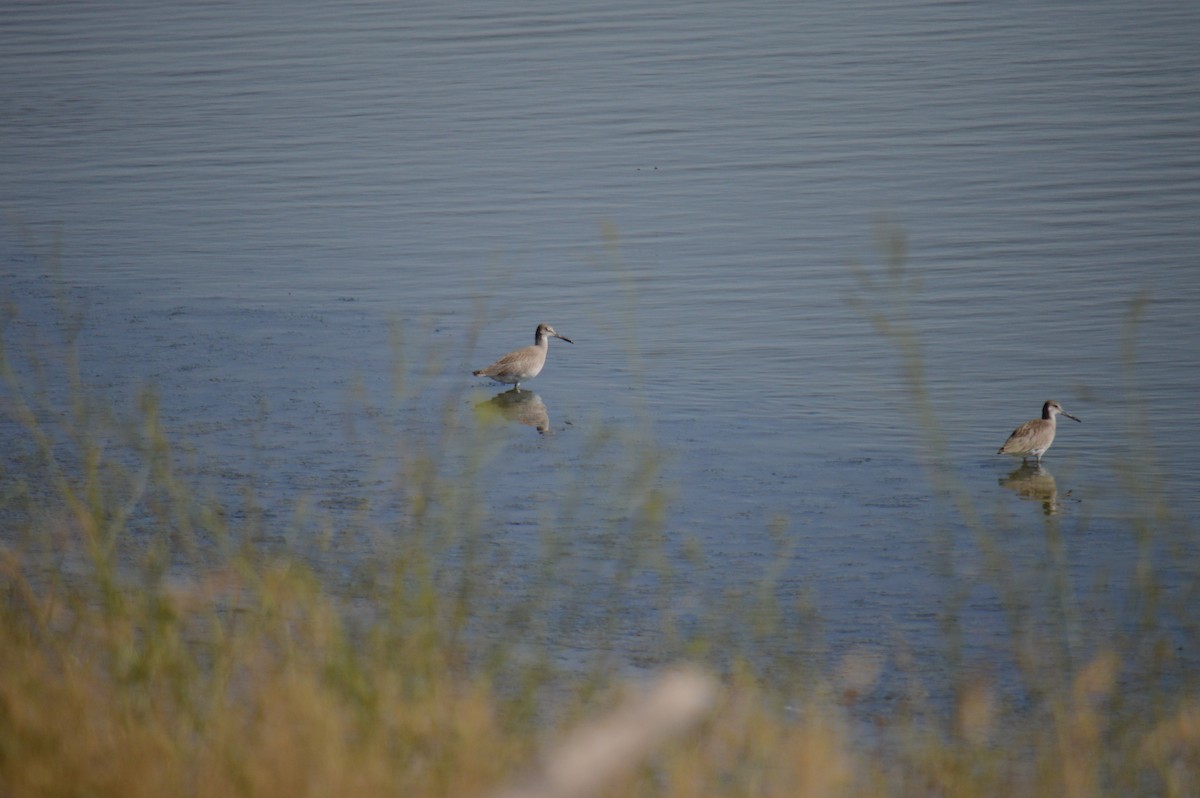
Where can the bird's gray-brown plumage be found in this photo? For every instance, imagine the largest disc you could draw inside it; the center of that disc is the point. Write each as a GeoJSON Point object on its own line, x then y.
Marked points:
{"type": "Point", "coordinates": [525, 363]}
{"type": "Point", "coordinates": [1033, 438]}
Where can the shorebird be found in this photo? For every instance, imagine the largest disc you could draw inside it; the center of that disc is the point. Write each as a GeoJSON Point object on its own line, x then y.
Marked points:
{"type": "Point", "coordinates": [1033, 438]}
{"type": "Point", "coordinates": [524, 363]}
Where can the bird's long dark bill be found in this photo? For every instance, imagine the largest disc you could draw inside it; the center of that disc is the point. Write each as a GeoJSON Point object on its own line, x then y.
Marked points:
{"type": "Point", "coordinates": [1068, 415]}
{"type": "Point", "coordinates": [568, 340]}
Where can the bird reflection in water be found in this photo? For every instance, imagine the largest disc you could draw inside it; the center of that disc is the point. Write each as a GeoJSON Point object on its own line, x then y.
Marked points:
{"type": "Point", "coordinates": [523, 407]}
{"type": "Point", "coordinates": [1033, 482]}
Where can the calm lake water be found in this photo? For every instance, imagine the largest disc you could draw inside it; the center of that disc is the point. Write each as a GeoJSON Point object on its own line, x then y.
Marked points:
{"type": "Point", "coordinates": [250, 198]}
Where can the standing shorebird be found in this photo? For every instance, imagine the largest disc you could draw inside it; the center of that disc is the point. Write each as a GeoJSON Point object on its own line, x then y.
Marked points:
{"type": "Point", "coordinates": [524, 363]}
{"type": "Point", "coordinates": [1033, 438]}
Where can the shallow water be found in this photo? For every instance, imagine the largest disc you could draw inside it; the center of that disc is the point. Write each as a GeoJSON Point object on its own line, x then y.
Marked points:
{"type": "Point", "coordinates": [248, 201]}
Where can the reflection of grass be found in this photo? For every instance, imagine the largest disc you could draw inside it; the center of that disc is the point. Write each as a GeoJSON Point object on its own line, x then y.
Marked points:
{"type": "Point", "coordinates": [243, 673]}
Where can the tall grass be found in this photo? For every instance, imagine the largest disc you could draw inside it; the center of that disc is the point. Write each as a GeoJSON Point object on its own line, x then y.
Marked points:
{"type": "Point", "coordinates": [150, 646]}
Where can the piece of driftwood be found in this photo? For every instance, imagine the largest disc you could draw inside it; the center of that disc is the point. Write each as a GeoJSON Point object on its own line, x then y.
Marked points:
{"type": "Point", "coordinates": [599, 751]}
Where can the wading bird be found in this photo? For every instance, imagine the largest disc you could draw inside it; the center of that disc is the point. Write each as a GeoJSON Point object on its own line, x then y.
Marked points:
{"type": "Point", "coordinates": [1033, 438]}
{"type": "Point", "coordinates": [525, 363]}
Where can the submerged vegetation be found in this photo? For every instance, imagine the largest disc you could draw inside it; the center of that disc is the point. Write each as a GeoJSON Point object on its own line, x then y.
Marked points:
{"type": "Point", "coordinates": [152, 644]}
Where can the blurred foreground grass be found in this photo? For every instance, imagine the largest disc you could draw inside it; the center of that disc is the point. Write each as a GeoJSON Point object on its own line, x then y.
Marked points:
{"type": "Point", "coordinates": [244, 674]}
